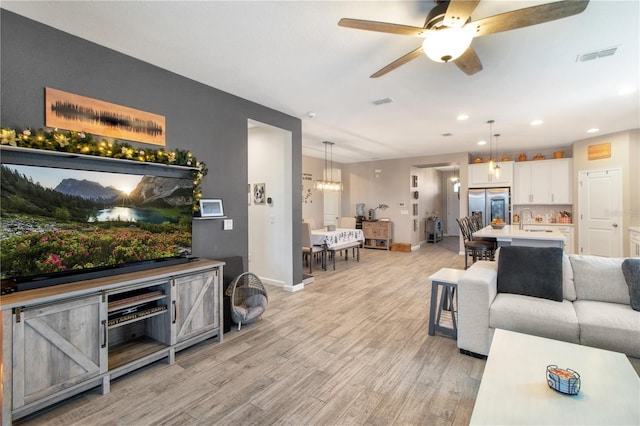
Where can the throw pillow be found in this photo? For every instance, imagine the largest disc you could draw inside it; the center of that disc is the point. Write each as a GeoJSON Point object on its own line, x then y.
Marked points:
{"type": "Point", "coordinates": [531, 271]}
{"type": "Point", "coordinates": [631, 271]}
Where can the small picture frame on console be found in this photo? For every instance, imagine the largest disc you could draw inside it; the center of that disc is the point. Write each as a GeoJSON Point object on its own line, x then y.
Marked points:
{"type": "Point", "coordinates": [211, 207]}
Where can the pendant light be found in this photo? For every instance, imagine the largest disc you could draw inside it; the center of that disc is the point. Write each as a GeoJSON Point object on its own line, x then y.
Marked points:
{"type": "Point", "coordinates": [496, 169]}
{"type": "Point", "coordinates": [328, 184]}
{"type": "Point", "coordinates": [491, 161]}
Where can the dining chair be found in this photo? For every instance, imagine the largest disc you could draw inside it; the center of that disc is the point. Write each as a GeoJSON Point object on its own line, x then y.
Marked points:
{"type": "Point", "coordinates": [347, 223]}
{"type": "Point", "coordinates": [309, 251]}
{"type": "Point", "coordinates": [311, 222]}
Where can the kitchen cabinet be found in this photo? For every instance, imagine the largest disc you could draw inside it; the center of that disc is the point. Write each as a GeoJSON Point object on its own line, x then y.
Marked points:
{"type": "Point", "coordinates": [543, 182]}
{"type": "Point", "coordinates": [377, 234]}
{"type": "Point", "coordinates": [566, 230]}
{"type": "Point", "coordinates": [56, 346]}
{"type": "Point", "coordinates": [62, 340]}
{"type": "Point", "coordinates": [634, 239]}
{"type": "Point", "coordinates": [479, 176]}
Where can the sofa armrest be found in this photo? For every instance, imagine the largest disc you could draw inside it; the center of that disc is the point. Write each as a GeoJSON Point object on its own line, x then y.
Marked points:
{"type": "Point", "coordinates": [477, 289]}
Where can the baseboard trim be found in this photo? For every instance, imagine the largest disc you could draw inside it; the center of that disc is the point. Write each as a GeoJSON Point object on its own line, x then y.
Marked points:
{"type": "Point", "coordinates": [472, 354]}
{"type": "Point", "coordinates": [293, 288]}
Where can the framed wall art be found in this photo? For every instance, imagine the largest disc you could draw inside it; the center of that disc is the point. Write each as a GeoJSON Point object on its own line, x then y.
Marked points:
{"type": "Point", "coordinates": [259, 193]}
{"type": "Point", "coordinates": [78, 113]}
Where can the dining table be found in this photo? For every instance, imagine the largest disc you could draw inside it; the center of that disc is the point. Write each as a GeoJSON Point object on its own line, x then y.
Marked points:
{"type": "Point", "coordinates": [338, 240]}
{"type": "Point", "coordinates": [333, 239]}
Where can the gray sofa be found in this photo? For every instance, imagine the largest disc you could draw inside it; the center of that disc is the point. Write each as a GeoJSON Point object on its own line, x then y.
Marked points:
{"type": "Point", "coordinates": [595, 308]}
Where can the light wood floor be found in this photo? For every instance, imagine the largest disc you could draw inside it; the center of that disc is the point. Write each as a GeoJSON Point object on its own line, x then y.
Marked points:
{"type": "Point", "coordinates": [352, 348]}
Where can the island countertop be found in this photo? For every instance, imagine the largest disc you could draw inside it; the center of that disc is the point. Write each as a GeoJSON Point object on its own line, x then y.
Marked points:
{"type": "Point", "coordinates": [537, 236]}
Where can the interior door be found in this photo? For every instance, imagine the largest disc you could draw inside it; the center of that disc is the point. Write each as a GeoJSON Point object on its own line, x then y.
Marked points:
{"type": "Point", "coordinates": [600, 209]}
{"type": "Point", "coordinates": [332, 202]}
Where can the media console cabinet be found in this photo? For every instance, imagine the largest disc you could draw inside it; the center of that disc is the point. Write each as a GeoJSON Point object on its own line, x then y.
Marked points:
{"type": "Point", "coordinates": [63, 340]}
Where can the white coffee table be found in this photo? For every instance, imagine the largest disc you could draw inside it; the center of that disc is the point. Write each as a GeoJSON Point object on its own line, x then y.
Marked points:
{"type": "Point", "coordinates": [514, 389]}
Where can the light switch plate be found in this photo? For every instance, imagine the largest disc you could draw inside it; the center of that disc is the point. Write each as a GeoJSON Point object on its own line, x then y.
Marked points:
{"type": "Point", "coordinates": [227, 225]}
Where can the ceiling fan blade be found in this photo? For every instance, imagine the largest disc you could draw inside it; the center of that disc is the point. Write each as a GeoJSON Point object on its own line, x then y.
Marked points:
{"type": "Point", "coordinates": [382, 27]}
{"type": "Point", "coordinates": [528, 16]}
{"type": "Point", "coordinates": [459, 11]}
{"type": "Point", "coordinates": [398, 62]}
{"type": "Point", "coordinates": [469, 62]}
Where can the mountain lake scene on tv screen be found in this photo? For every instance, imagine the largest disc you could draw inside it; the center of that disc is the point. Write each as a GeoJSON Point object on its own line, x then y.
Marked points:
{"type": "Point", "coordinates": [55, 220]}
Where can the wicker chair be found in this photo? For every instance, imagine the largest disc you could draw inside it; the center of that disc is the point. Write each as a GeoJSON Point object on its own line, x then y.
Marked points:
{"type": "Point", "coordinates": [248, 299]}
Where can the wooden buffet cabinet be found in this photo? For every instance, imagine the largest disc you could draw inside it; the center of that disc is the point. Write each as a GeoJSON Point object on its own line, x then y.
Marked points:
{"type": "Point", "coordinates": [377, 234]}
{"type": "Point", "coordinates": [62, 340]}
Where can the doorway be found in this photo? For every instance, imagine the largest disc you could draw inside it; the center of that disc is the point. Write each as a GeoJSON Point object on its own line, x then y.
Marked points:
{"type": "Point", "coordinates": [600, 209]}
{"type": "Point", "coordinates": [269, 215]}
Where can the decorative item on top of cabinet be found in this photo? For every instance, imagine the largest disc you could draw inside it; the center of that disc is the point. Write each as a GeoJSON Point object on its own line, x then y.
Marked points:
{"type": "Point", "coordinates": [377, 234]}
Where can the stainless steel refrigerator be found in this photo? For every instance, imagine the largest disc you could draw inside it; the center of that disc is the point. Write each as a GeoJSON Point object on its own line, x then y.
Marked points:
{"type": "Point", "coordinates": [490, 203]}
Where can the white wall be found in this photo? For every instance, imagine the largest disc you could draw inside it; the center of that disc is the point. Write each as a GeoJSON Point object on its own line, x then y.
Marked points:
{"type": "Point", "coordinates": [270, 234]}
{"type": "Point", "coordinates": [392, 186]}
{"type": "Point", "coordinates": [625, 149]}
{"type": "Point", "coordinates": [312, 200]}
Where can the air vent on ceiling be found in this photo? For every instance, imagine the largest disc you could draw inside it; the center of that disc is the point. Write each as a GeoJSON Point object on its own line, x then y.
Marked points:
{"type": "Point", "coordinates": [382, 101]}
{"type": "Point", "coordinates": [597, 54]}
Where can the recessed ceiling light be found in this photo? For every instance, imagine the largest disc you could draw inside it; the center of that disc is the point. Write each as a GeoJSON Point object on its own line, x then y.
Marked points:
{"type": "Point", "coordinates": [626, 91]}
{"type": "Point", "coordinates": [462, 117]}
{"type": "Point", "coordinates": [593, 130]}
{"type": "Point", "coordinates": [536, 122]}
{"type": "Point", "coordinates": [482, 142]}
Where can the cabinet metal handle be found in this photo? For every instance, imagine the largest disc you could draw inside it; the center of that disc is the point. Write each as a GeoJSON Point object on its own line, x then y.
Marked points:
{"type": "Point", "coordinates": [175, 312]}
{"type": "Point", "coordinates": [104, 334]}
{"type": "Point", "coordinates": [615, 225]}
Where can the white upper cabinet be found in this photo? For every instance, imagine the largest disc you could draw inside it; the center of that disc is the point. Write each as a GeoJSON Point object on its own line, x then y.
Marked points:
{"type": "Point", "coordinates": [543, 182]}
{"type": "Point", "coordinates": [479, 175]}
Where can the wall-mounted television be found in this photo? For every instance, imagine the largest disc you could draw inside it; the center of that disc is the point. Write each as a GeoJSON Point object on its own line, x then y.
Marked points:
{"type": "Point", "coordinates": [59, 225]}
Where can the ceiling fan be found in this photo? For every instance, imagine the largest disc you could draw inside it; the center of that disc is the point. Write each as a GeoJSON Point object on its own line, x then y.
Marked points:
{"type": "Point", "coordinates": [448, 30]}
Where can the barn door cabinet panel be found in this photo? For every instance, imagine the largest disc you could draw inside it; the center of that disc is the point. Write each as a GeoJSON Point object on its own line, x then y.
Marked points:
{"type": "Point", "coordinates": [196, 305]}
{"type": "Point", "coordinates": [63, 340]}
{"type": "Point", "coordinates": [57, 346]}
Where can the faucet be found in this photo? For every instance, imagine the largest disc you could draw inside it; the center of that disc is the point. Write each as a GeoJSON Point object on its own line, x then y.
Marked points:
{"type": "Point", "coordinates": [522, 216]}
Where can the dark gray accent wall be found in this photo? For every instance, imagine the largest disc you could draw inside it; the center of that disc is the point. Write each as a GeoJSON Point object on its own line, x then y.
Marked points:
{"type": "Point", "coordinates": [210, 123]}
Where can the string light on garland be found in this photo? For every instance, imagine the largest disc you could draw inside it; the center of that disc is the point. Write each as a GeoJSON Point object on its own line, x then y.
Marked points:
{"type": "Point", "coordinates": [84, 143]}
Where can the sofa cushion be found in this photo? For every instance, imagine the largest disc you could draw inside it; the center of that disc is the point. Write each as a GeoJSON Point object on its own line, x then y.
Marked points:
{"type": "Point", "coordinates": [537, 316]}
{"type": "Point", "coordinates": [599, 278]}
{"type": "Point", "coordinates": [568, 288]}
{"type": "Point", "coordinates": [631, 272]}
{"type": "Point", "coordinates": [531, 271]}
{"type": "Point", "coordinates": [611, 326]}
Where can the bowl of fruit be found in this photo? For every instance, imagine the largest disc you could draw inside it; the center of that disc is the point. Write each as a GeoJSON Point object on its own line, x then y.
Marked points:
{"type": "Point", "coordinates": [498, 223]}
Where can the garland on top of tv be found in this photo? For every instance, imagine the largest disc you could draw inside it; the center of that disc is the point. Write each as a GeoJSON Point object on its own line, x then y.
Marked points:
{"type": "Point", "coordinates": [84, 143]}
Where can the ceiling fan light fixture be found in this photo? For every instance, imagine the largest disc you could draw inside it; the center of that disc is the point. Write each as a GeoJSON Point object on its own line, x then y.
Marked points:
{"type": "Point", "coordinates": [446, 44]}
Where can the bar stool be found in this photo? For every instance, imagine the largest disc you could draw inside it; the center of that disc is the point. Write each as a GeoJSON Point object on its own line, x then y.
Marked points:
{"type": "Point", "coordinates": [477, 249]}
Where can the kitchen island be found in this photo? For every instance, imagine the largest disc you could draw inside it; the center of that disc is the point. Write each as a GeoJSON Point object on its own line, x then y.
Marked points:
{"type": "Point", "coordinates": [533, 236]}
